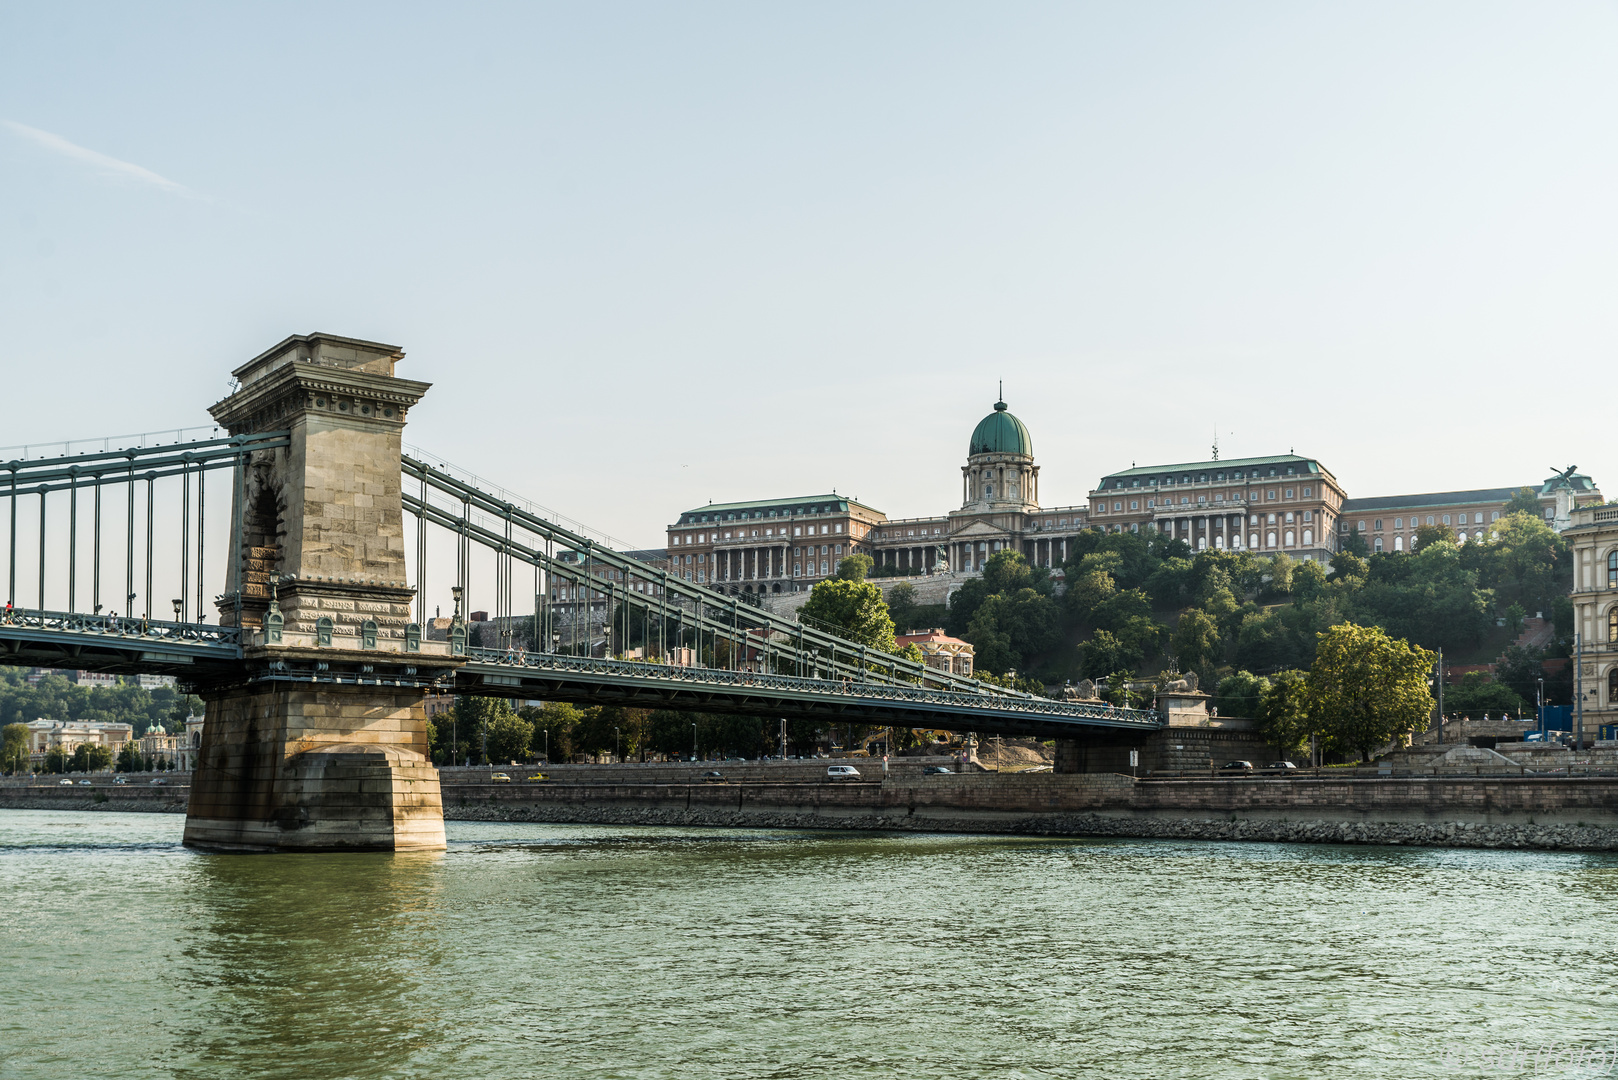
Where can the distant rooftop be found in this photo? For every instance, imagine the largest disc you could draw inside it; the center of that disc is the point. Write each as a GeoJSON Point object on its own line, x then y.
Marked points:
{"type": "Point", "coordinates": [804, 504]}
{"type": "Point", "coordinates": [1251, 469]}
{"type": "Point", "coordinates": [1432, 499]}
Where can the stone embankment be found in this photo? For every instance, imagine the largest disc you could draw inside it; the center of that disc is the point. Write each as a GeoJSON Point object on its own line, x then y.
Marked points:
{"type": "Point", "coordinates": [1548, 813]}
{"type": "Point", "coordinates": [1437, 834]}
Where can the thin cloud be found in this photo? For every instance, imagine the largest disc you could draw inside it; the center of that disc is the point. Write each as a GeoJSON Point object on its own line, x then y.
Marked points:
{"type": "Point", "coordinates": [109, 165]}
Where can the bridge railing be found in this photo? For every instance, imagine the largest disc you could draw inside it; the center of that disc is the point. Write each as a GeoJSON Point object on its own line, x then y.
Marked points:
{"type": "Point", "coordinates": [517, 661]}
{"type": "Point", "coordinates": [118, 626]}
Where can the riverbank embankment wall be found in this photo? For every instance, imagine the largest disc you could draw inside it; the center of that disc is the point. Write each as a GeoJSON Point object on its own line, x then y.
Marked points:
{"type": "Point", "coordinates": [1579, 813]}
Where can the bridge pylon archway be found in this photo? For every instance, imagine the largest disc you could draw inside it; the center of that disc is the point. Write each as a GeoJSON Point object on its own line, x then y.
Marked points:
{"type": "Point", "coordinates": [318, 740]}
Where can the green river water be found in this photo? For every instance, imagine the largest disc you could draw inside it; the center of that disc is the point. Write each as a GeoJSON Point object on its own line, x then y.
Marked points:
{"type": "Point", "coordinates": [531, 950]}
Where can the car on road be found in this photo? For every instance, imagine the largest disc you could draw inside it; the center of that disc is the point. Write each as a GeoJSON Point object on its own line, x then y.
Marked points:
{"type": "Point", "coordinates": [1280, 766]}
{"type": "Point", "coordinates": [157, 780]}
{"type": "Point", "coordinates": [935, 770]}
{"type": "Point", "coordinates": [713, 776]}
{"type": "Point", "coordinates": [85, 783]}
{"type": "Point", "coordinates": [499, 778]}
{"type": "Point", "coordinates": [1236, 766]}
{"type": "Point", "coordinates": [62, 783]}
{"type": "Point", "coordinates": [120, 779]}
{"type": "Point", "coordinates": [842, 772]}
{"type": "Point", "coordinates": [536, 778]}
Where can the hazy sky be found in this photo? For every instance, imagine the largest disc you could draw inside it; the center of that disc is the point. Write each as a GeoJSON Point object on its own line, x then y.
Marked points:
{"type": "Point", "coordinates": [654, 255]}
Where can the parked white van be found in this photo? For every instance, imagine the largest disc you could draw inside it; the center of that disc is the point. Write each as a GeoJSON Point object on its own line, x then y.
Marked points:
{"type": "Point", "coordinates": [842, 772]}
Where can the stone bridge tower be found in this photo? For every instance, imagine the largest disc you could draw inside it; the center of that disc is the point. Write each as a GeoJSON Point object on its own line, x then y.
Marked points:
{"type": "Point", "coordinates": [319, 742]}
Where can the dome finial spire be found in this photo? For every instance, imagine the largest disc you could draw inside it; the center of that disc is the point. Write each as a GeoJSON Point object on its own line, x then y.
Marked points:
{"type": "Point", "coordinates": [1000, 400]}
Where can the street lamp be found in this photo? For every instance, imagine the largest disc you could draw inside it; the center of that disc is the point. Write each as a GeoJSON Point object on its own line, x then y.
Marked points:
{"type": "Point", "coordinates": [615, 754]}
{"type": "Point", "coordinates": [693, 742]}
{"type": "Point", "coordinates": [177, 604]}
{"type": "Point", "coordinates": [1539, 704]}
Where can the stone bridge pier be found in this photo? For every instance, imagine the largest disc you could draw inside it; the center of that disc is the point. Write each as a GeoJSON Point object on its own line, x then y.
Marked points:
{"type": "Point", "coordinates": [318, 742]}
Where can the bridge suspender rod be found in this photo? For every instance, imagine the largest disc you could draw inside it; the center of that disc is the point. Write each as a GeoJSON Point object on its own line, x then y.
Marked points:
{"type": "Point", "coordinates": [42, 551]}
{"type": "Point", "coordinates": [72, 549]}
{"type": "Point", "coordinates": [11, 550]}
{"type": "Point", "coordinates": [149, 517]}
{"type": "Point", "coordinates": [202, 522]}
{"type": "Point", "coordinates": [185, 546]}
{"type": "Point", "coordinates": [95, 560]}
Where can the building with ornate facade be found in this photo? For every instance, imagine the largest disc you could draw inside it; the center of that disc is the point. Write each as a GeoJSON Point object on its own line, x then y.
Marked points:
{"type": "Point", "coordinates": [1389, 522]}
{"type": "Point", "coordinates": [787, 545]}
{"type": "Point", "coordinates": [1592, 535]}
{"type": "Point", "coordinates": [1285, 503]}
{"type": "Point", "coordinates": [1264, 504]}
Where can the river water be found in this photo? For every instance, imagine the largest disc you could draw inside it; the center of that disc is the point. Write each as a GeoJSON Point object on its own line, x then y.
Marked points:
{"type": "Point", "coordinates": [532, 950]}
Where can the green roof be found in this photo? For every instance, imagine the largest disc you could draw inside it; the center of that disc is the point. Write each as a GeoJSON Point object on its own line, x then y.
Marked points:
{"type": "Point", "coordinates": [806, 504]}
{"type": "Point", "coordinates": [1000, 433]}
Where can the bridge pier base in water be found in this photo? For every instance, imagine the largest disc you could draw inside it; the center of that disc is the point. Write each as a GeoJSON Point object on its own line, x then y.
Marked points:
{"type": "Point", "coordinates": [315, 766]}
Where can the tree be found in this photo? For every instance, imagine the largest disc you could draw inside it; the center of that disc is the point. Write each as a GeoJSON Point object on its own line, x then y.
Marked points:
{"type": "Point", "coordinates": [1007, 571]}
{"type": "Point", "coordinates": [855, 567]}
{"type": "Point", "coordinates": [902, 606]}
{"type": "Point", "coordinates": [89, 757]}
{"type": "Point", "coordinates": [1525, 501]}
{"type": "Point", "coordinates": [1196, 639]}
{"type": "Point", "coordinates": [1101, 655]}
{"type": "Point", "coordinates": [1366, 688]}
{"type": "Point", "coordinates": [509, 737]}
{"type": "Point", "coordinates": [1283, 718]}
{"type": "Point", "coordinates": [1241, 694]}
{"type": "Point", "coordinates": [1430, 534]}
{"type": "Point", "coordinates": [14, 748]}
{"type": "Point", "coordinates": [1089, 591]}
{"type": "Point", "coordinates": [458, 734]}
{"type": "Point", "coordinates": [851, 609]}
{"type": "Point", "coordinates": [1349, 566]}
{"type": "Point", "coordinates": [1475, 695]}
{"type": "Point", "coordinates": [1009, 629]}
{"type": "Point", "coordinates": [1356, 545]}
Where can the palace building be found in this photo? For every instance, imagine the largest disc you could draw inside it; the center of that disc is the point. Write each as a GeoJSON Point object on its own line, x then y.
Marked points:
{"type": "Point", "coordinates": [787, 545]}
{"type": "Point", "coordinates": [1287, 503]}
{"type": "Point", "coordinates": [1263, 505]}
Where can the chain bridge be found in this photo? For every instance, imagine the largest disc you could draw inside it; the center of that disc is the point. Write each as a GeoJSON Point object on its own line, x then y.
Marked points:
{"type": "Point", "coordinates": [300, 547]}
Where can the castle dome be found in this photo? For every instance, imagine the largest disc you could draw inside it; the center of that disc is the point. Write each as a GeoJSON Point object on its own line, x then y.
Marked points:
{"type": "Point", "coordinates": [1001, 433]}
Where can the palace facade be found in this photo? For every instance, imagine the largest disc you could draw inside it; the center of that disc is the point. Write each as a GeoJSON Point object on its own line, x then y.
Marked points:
{"type": "Point", "coordinates": [1286, 503]}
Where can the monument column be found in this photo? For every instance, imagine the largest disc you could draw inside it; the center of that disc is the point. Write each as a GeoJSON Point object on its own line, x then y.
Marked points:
{"type": "Point", "coordinates": [318, 742]}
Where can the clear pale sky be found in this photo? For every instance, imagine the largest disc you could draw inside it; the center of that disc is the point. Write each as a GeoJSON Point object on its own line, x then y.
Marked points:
{"type": "Point", "coordinates": [654, 255]}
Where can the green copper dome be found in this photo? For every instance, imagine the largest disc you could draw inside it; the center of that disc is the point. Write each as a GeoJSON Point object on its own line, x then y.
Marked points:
{"type": "Point", "coordinates": [1001, 433]}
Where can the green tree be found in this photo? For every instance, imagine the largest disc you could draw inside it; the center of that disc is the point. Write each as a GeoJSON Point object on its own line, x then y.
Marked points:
{"type": "Point", "coordinates": [1241, 693]}
{"type": "Point", "coordinates": [1089, 591]}
{"type": "Point", "coordinates": [851, 609]}
{"type": "Point", "coordinates": [91, 758]}
{"type": "Point", "coordinates": [1355, 544]}
{"type": "Point", "coordinates": [1283, 718]}
{"type": "Point", "coordinates": [1476, 695]}
{"type": "Point", "coordinates": [509, 737]}
{"type": "Point", "coordinates": [1010, 629]}
{"type": "Point", "coordinates": [855, 567]}
{"type": "Point", "coordinates": [1101, 654]}
{"type": "Point", "coordinates": [1366, 688]}
{"type": "Point", "coordinates": [14, 748]}
{"type": "Point", "coordinates": [902, 606]}
{"type": "Point", "coordinates": [1525, 501]}
{"type": "Point", "coordinates": [1197, 640]}
{"type": "Point", "coordinates": [1430, 534]}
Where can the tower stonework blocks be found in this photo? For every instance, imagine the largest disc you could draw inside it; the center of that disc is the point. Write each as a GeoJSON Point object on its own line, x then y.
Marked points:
{"type": "Point", "coordinates": [321, 743]}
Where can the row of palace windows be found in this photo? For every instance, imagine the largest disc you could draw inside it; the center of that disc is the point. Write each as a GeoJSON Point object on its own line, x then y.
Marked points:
{"type": "Point", "coordinates": [1202, 478]}
{"type": "Point", "coordinates": [1202, 500]}
{"type": "Point", "coordinates": [797, 530]}
{"type": "Point", "coordinates": [1399, 522]}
